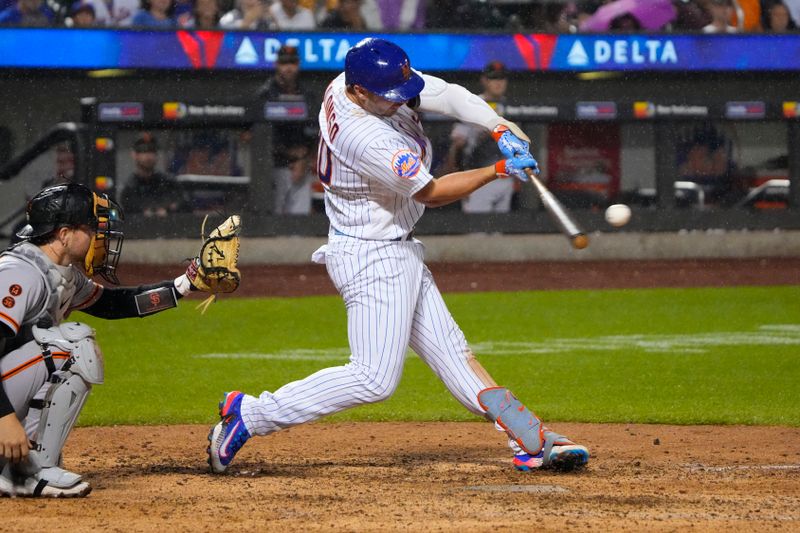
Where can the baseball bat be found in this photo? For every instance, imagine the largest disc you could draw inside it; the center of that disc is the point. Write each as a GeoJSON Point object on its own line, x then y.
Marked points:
{"type": "Point", "coordinates": [568, 227]}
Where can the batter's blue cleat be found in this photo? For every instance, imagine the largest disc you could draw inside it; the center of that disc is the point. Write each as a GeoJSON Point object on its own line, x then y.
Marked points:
{"type": "Point", "coordinates": [524, 461]}
{"type": "Point", "coordinates": [229, 435]}
{"type": "Point", "coordinates": [567, 457]}
{"type": "Point", "coordinates": [559, 453]}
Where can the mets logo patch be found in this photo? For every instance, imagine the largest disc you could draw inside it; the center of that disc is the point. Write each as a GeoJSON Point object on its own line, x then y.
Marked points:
{"type": "Point", "coordinates": [406, 164]}
{"type": "Point", "coordinates": [15, 290]}
{"type": "Point", "coordinates": [9, 302]}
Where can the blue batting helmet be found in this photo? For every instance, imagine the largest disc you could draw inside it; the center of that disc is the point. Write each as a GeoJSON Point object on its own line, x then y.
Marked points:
{"type": "Point", "coordinates": [383, 68]}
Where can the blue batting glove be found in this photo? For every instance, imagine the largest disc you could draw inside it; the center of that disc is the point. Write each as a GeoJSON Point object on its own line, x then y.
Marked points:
{"type": "Point", "coordinates": [510, 145]}
{"type": "Point", "coordinates": [516, 166]}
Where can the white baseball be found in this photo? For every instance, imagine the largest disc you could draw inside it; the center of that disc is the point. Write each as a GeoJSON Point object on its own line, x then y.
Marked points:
{"type": "Point", "coordinates": [618, 215]}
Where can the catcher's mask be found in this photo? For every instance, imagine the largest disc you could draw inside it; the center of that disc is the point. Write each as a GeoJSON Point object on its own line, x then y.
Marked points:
{"type": "Point", "coordinates": [73, 204]}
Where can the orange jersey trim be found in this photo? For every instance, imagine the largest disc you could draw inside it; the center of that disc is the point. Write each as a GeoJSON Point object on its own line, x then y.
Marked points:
{"type": "Point", "coordinates": [31, 362]}
{"type": "Point", "coordinates": [11, 321]}
{"type": "Point", "coordinates": [97, 289]}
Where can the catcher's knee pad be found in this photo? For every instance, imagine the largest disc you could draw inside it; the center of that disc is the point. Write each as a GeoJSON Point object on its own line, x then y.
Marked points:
{"type": "Point", "coordinates": [520, 424]}
{"type": "Point", "coordinates": [86, 359]}
{"type": "Point", "coordinates": [70, 386]}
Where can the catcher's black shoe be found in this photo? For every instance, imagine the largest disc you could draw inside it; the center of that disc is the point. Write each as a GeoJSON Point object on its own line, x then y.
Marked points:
{"type": "Point", "coordinates": [229, 435]}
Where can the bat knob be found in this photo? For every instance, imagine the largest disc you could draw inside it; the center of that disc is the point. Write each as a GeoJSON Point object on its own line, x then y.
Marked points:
{"type": "Point", "coordinates": [580, 241]}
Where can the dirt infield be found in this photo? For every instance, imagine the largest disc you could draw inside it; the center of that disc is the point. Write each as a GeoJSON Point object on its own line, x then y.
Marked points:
{"type": "Point", "coordinates": [441, 476]}
{"type": "Point", "coordinates": [426, 477]}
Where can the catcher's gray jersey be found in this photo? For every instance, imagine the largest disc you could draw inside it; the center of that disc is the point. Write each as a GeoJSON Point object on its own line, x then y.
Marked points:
{"type": "Point", "coordinates": [36, 291]}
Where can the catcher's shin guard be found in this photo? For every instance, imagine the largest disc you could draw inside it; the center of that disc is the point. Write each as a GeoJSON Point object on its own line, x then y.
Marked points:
{"type": "Point", "coordinates": [520, 424]}
{"type": "Point", "coordinates": [70, 387]}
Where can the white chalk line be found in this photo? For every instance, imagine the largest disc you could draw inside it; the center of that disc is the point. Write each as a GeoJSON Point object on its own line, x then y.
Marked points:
{"type": "Point", "coordinates": [704, 468]}
{"type": "Point", "coordinates": [688, 343]}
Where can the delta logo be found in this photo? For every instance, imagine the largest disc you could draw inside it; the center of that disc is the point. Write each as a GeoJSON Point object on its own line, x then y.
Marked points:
{"type": "Point", "coordinates": [790, 109]}
{"type": "Point", "coordinates": [201, 47]}
{"type": "Point", "coordinates": [622, 51]}
{"type": "Point", "coordinates": [644, 110]}
{"type": "Point", "coordinates": [174, 110]}
{"type": "Point", "coordinates": [536, 49]}
{"type": "Point", "coordinates": [406, 164]}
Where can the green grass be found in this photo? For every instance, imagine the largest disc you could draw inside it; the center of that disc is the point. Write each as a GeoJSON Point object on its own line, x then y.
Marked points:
{"type": "Point", "coordinates": [684, 376]}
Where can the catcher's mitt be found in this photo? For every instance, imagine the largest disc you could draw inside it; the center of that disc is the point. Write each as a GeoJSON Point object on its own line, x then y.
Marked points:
{"type": "Point", "coordinates": [215, 270]}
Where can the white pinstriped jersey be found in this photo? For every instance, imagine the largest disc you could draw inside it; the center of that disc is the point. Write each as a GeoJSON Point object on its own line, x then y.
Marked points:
{"type": "Point", "coordinates": [370, 167]}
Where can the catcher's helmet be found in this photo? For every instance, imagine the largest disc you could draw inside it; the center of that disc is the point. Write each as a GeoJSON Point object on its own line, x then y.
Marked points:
{"type": "Point", "coordinates": [383, 68]}
{"type": "Point", "coordinates": [73, 204]}
{"type": "Point", "coordinates": [70, 204]}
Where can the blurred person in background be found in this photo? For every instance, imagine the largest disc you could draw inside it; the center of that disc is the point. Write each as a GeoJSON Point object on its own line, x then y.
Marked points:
{"type": "Point", "coordinates": [794, 9]}
{"type": "Point", "coordinates": [293, 179]}
{"type": "Point", "coordinates": [559, 18]}
{"type": "Point", "coordinates": [345, 17]}
{"type": "Point", "coordinates": [148, 191]}
{"type": "Point", "coordinates": [155, 14]}
{"type": "Point", "coordinates": [472, 146]}
{"type": "Point", "coordinates": [284, 86]}
{"type": "Point", "coordinates": [65, 166]}
{"type": "Point", "coordinates": [64, 172]}
{"type": "Point", "coordinates": [751, 11]}
{"type": "Point", "coordinates": [777, 18]}
{"type": "Point", "coordinates": [205, 16]}
{"type": "Point", "coordinates": [625, 23]}
{"type": "Point", "coordinates": [81, 15]}
{"type": "Point", "coordinates": [690, 16]}
{"type": "Point", "coordinates": [464, 14]}
{"type": "Point", "coordinates": [247, 15]}
{"type": "Point", "coordinates": [205, 153]}
{"type": "Point", "coordinates": [27, 13]}
{"type": "Point", "coordinates": [288, 15]}
{"type": "Point", "coordinates": [402, 14]}
{"type": "Point", "coordinates": [705, 156]}
{"type": "Point", "coordinates": [721, 13]}
{"type": "Point", "coordinates": [114, 13]}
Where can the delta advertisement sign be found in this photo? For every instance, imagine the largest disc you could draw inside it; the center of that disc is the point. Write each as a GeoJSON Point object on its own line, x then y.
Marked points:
{"type": "Point", "coordinates": [68, 48]}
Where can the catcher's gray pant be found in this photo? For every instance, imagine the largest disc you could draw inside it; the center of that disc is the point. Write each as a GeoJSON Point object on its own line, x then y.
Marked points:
{"type": "Point", "coordinates": [392, 303]}
{"type": "Point", "coordinates": [47, 381]}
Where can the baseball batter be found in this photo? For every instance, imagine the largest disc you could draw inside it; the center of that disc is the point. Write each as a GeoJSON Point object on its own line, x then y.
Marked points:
{"type": "Point", "coordinates": [48, 365]}
{"type": "Point", "coordinates": [373, 161]}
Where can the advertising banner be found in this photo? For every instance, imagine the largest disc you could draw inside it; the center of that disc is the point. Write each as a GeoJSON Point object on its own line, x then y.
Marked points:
{"type": "Point", "coordinates": [69, 48]}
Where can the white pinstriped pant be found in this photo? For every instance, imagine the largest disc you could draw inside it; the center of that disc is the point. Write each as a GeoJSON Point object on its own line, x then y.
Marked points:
{"type": "Point", "coordinates": [392, 303]}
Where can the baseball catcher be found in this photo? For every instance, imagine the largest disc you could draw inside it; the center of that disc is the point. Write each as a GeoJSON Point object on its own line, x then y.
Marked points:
{"type": "Point", "coordinates": [48, 365]}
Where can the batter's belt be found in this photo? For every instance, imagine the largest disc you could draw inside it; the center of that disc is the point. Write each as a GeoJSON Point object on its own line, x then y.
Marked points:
{"type": "Point", "coordinates": [407, 237]}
